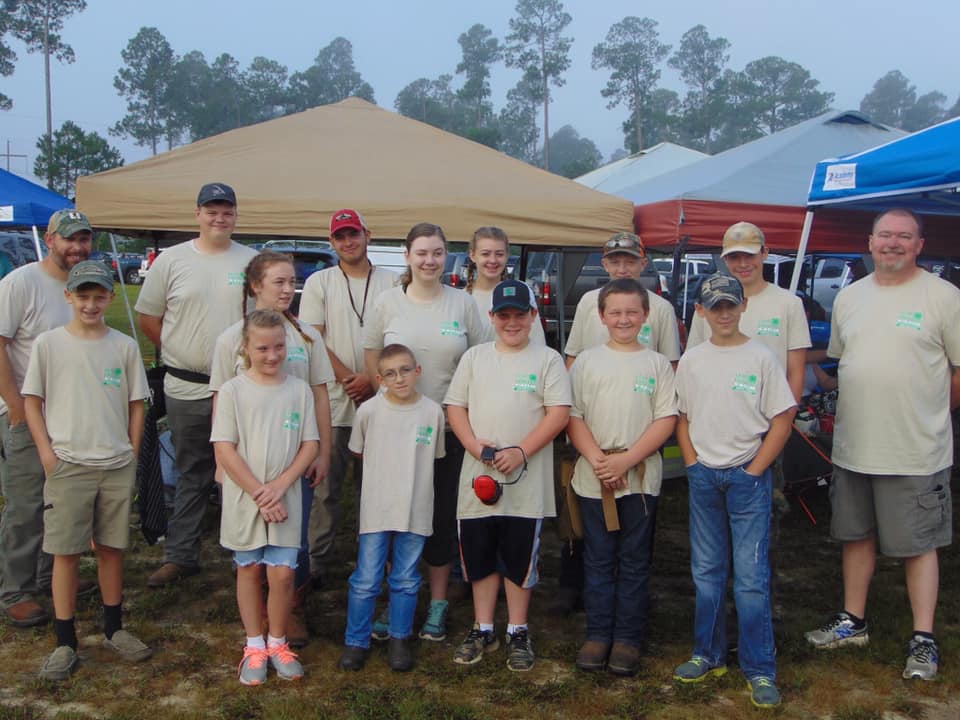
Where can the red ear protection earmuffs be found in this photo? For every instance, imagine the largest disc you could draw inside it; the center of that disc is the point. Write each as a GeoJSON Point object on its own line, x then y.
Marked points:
{"type": "Point", "coordinates": [485, 487]}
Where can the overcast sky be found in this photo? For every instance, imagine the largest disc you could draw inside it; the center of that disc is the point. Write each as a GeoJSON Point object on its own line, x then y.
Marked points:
{"type": "Point", "coordinates": [845, 44]}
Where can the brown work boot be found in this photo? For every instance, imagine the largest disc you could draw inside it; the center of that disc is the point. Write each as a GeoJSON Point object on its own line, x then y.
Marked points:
{"type": "Point", "coordinates": [297, 635]}
{"type": "Point", "coordinates": [624, 660]}
{"type": "Point", "coordinates": [27, 613]}
{"type": "Point", "coordinates": [169, 573]}
{"type": "Point", "coordinates": [593, 655]}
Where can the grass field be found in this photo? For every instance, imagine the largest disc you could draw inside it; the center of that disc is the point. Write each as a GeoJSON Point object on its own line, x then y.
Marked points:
{"type": "Point", "coordinates": [116, 317]}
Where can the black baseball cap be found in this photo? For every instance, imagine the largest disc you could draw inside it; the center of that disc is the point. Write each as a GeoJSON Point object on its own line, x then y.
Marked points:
{"type": "Point", "coordinates": [216, 192]}
{"type": "Point", "coordinates": [510, 294]}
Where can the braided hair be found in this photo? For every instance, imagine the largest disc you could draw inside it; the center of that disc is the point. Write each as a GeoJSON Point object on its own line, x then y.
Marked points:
{"type": "Point", "coordinates": [488, 232]}
{"type": "Point", "coordinates": [253, 274]}
{"type": "Point", "coordinates": [257, 319]}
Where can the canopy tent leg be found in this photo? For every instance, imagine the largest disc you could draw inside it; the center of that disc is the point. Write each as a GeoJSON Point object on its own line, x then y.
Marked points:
{"type": "Point", "coordinates": [801, 251]}
{"type": "Point", "coordinates": [123, 288]}
{"type": "Point", "coordinates": [36, 244]}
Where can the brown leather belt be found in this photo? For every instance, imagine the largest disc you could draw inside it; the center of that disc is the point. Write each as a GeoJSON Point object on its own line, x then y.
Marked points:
{"type": "Point", "coordinates": [609, 499]}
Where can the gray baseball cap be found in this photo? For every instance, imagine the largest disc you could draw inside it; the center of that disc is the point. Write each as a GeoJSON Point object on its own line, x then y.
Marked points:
{"type": "Point", "coordinates": [89, 271]}
{"type": "Point", "coordinates": [216, 192]}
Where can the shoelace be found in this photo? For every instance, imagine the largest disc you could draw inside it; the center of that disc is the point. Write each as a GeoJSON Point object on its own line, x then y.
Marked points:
{"type": "Point", "coordinates": [435, 615]}
{"type": "Point", "coordinates": [762, 682]}
{"type": "Point", "coordinates": [520, 640]}
{"type": "Point", "coordinates": [835, 622]}
{"type": "Point", "coordinates": [924, 651]}
{"type": "Point", "coordinates": [474, 634]}
{"type": "Point", "coordinates": [256, 656]}
{"type": "Point", "coordinates": [283, 652]}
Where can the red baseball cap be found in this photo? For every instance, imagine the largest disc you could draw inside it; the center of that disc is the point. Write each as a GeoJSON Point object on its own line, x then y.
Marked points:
{"type": "Point", "coordinates": [347, 218]}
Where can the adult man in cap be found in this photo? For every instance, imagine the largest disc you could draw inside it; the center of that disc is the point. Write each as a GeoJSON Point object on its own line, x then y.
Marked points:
{"type": "Point", "coordinates": [193, 292]}
{"type": "Point", "coordinates": [624, 257]}
{"type": "Point", "coordinates": [31, 302]}
{"type": "Point", "coordinates": [897, 336]}
{"type": "Point", "coordinates": [773, 315]}
{"type": "Point", "coordinates": [337, 301]}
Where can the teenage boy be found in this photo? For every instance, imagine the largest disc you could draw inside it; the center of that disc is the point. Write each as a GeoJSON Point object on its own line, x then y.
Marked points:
{"type": "Point", "coordinates": [624, 409]}
{"type": "Point", "coordinates": [336, 301]}
{"type": "Point", "coordinates": [506, 403]}
{"type": "Point", "coordinates": [31, 302]}
{"type": "Point", "coordinates": [83, 394]}
{"type": "Point", "coordinates": [736, 411]}
{"type": "Point", "coordinates": [399, 434]}
{"type": "Point", "coordinates": [193, 292]}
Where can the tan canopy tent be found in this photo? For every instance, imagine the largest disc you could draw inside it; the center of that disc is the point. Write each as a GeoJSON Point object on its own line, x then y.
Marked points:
{"type": "Point", "coordinates": [291, 173]}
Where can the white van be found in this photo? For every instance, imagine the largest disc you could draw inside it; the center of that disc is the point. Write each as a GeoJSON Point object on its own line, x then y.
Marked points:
{"type": "Point", "coordinates": [387, 256]}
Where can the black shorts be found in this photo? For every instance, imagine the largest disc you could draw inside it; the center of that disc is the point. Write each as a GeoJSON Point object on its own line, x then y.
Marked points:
{"type": "Point", "coordinates": [490, 544]}
{"type": "Point", "coordinates": [441, 547]}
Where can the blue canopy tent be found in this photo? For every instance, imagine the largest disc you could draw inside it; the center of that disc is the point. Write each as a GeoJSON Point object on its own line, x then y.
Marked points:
{"type": "Point", "coordinates": [920, 171]}
{"type": "Point", "coordinates": [24, 204]}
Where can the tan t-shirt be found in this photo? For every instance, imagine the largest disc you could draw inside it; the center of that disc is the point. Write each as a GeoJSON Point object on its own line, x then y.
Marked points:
{"type": "Point", "coordinates": [730, 395]}
{"type": "Point", "coordinates": [619, 395]}
{"type": "Point", "coordinates": [438, 332]}
{"type": "Point", "coordinates": [774, 316]}
{"type": "Point", "coordinates": [505, 394]}
{"type": "Point", "coordinates": [326, 301]}
{"type": "Point", "coordinates": [659, 333]}
{"type": "Point", "coordinates": [268, 423]}
{"type": "Point", "coordinates": [31, 302]}
{"type": "Point", "coordinates": [399, 444]}
{"type": "Point", "coordinates": [87, 387]}
{"type": "Point", "coordinates": [897, 346]}
{"type": "Point", "coordinates": [309, 362]}
{"type": "Point", "coordinates": [199, 296]}
{"type": "Point", "coordinates": [484, 300]}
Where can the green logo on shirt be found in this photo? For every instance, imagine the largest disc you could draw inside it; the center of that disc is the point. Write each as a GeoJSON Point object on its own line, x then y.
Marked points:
{"type": "Point", "coordinates": [235, 278]}
{"type": "Point", "coordinates": [769, 327]}
{"type": "Point", "coordinates": [296, 354]}
{"type": "Point", "coordinates": [745, 382]}
{"type": "Point", "coordinates": [645, 385]}
{"type": "Point", "coordinates": [525, 383]}
{"type": "Point", "coordinates": [111, 376]}
{"type": "Point", "coordinates": [646, 335]}
{"type": "Point", "coordinates": [424, 434]}
{"type": "Point", "coordinates": [451, 327]}
{"type": "Point", "coordinates": [291, 421]}
{"type": "Point", "coordinates": [910, 319]}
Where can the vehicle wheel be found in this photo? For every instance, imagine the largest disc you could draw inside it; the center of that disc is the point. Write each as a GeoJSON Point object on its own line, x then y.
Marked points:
{"type": "Point", "coordinates": [132, 277]}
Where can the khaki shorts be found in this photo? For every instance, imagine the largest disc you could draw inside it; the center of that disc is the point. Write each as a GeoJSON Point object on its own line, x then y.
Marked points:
{"type": "Point", "coordinates": [910, 515]}
{"type": "Point", "coordinates": [81, 503]}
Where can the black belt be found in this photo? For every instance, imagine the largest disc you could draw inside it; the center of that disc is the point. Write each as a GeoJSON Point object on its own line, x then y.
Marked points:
{"type": "Point", "coordinates": [189, 375]}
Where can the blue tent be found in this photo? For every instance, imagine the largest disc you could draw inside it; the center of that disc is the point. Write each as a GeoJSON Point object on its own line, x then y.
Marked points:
{"type": "Point", "coordinates": [920, 171]}
{"type": "Point", "coordinates": [26, 204]}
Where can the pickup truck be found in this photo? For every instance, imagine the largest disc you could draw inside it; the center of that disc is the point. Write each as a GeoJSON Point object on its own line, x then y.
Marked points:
{"type": "Point", "coordinates": [125, 264]}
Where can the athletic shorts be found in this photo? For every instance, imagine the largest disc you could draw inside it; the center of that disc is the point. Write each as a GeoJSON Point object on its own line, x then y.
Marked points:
{"type": "Point", "coordinates": [271, 555]}
{"type": "Point", "coordinates": [500, 544]}
{"type": "Point", "coordinates": [441, 547]}
{"type": "Point", "coordinates": [908, 514]}
{"type": "Point", "coordinates": [81, 503]}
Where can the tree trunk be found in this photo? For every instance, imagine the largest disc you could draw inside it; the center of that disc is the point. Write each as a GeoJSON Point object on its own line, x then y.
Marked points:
{"type": "Point", "coordinates": [636, 121]}
{"type": "Point", "coordinates": [46, 74]}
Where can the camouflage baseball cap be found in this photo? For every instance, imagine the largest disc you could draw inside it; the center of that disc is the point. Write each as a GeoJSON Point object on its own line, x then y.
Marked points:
{"type": "Point", "coordinates": [67, 222]}
{"type": "Point", "coordinates": [719, 287]}
{"type": "Point", "coordinates": [624, 242]}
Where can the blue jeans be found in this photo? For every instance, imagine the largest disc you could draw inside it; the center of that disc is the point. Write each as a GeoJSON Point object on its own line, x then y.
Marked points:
{"type": "Point", "coordinates": [302, 576]}
{"type": "Point", "coordinates": [721, 499]}
{"type": "Point", "coordinates": [365, 582]}
{"type": "Point", "coordinates": [616, 569]}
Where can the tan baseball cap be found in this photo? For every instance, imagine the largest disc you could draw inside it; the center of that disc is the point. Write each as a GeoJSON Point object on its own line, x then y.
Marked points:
{"type": "Point", "coordinates": [743, 237]}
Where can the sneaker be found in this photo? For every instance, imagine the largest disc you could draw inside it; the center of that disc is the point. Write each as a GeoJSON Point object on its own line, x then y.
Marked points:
{"type": "Point", "coordinates": [837, 631]}
{"type": "Point", "coordinates": [353, 658]}
{"type": "Point", "coordinates": [127, 646]}
{"type": "Point", "coordinates": [284, 661]}
{"type": "Point", "coordinates": [520, 657]}
{"type": "Point", "coordinates": [763, 692]}
{"type": "Point", "coordinates": [253, 667]}
{"type": "Point", "coordinates": [698, 669]}
{"type": "Point", "coordinates": [60, 664]}
{"type": "Point", "coordinates": [922, 660]}
{"type": "Point", "coordinates": [435, 626]}
{"type": "Point", "coordinates": [592, 656]}
{"type": "Point", "coordinates": [381, 626]}
{"type": "Point", "coordinates": [475, 646]}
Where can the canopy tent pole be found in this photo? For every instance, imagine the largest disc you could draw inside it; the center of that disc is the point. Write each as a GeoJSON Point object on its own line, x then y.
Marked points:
{"type": "Point", "coordinates": [801, 251]}
{"type": "Point", "coordinates": [36, 244]}
{"type": "Point", "coordinates": [123, 288]}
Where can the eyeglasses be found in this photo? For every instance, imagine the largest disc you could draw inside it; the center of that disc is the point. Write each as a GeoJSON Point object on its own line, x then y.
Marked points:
{"type": "Point", "coordinates": [623, 243]}
{"type": "Point", "coordinates": [391, 376]}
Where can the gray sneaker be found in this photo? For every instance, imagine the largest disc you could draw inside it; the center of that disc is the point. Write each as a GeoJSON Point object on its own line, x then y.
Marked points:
{"type": "Point", "coordinates": [837, 632]}
{"type": "Point", "coordinates": [253, 667]}
{"type": "Point", "coordinates": [922, 660]}
{"type": "Point", "coordinates": [381, 626]}
{"type": "Point", "coordinates": [435, 626]}
{"type": "Point", "coordinates": [285, 662]}
{"type": "Point", "coordinates": [127, 646]}
{"type": "Point", "coordinates": [60, 664]}
{"type": "Point", "coordinates": [520, 657]}
{"type": "Point", "coordinates": [697, 669]}
{"type": "Point", "coordinates": [475, 646]}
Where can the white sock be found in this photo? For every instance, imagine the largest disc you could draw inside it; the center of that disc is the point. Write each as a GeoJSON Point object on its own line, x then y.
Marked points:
{"type": "Point", "coordinates": [512, 629]}
{"type": "Point", "coordinates": [486, 627]}
{"type": "Point", "coordinates": [274, 642]}
{"type": "Point", "coordinates": [256, 642]}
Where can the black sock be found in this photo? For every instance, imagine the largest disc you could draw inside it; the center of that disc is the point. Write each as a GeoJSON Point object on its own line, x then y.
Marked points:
{"type": "Point", "coordinates": [858, 622]}
{"type": "Point", "coordinates": [66, 631]}
{"type": "Point", "coordinates": [924, 635]}
{"type": "Point", "coordinates": [112, 620]}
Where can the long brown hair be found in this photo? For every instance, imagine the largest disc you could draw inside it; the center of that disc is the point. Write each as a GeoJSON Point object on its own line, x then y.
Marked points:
{"type": "Point", "coordinates": [488, 232]}
{"type": "Point", "coordinates": [254, 273]}
{"type": "Point", "coordinates": [418, 231]}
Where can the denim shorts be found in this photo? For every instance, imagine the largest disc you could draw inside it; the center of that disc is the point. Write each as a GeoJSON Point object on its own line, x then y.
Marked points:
{"type": "Point", "coordinates": [267, 555]}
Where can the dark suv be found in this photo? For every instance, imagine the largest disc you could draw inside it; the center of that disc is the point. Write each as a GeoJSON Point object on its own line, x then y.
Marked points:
{"type": "Point", "coordinates": [309, 256]}
{"type": "Point", "coordinates": [16, 249]}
